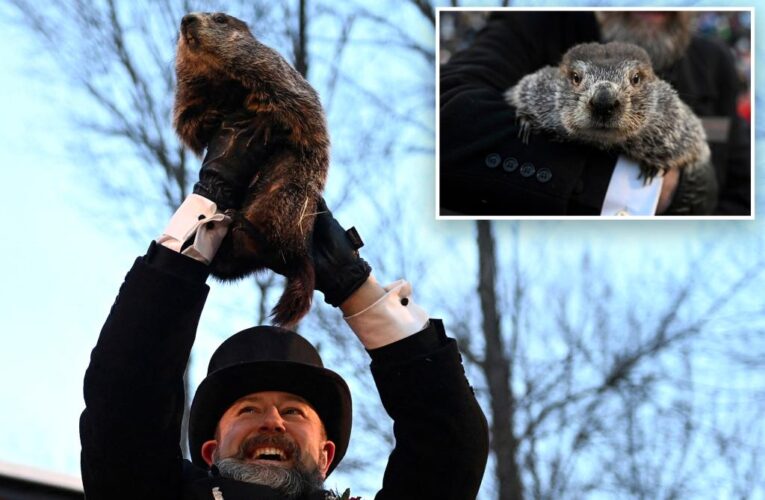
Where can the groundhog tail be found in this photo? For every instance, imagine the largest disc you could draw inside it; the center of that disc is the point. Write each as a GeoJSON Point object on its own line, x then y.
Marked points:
{"type": "Point", "coordinates": [295, 301]}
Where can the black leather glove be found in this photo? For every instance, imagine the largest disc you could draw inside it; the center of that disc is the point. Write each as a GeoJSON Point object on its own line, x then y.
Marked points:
{"type": "Point", "coordinates": [696, 192]}
{"type": "Point", "coordinates": [234, 156]}
{"type": "Point", "coordinates": [340, 270]}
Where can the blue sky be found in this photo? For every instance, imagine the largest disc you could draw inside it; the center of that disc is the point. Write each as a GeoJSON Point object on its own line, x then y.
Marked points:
{"type": "Point", "coordinates": [64, 263]}
{"type": "Point", "coordinates": [57, 287]}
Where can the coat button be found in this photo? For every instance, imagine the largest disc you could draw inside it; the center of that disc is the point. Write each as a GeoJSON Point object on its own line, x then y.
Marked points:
{"type": "Point", "coordinates": [493, 160]}
{"type": "Point", "coordinates": [544, 175]}
{"type": "Point", "coordinates": [528, 169]}
{"type": "Point", "coordinates": [510, 164]}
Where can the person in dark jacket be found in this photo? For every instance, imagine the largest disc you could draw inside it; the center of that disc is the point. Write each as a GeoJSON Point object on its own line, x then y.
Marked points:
{"type": "Point", "coordinates": [268, 421]}
{"type": "Point", "coordinates": [485, 169]}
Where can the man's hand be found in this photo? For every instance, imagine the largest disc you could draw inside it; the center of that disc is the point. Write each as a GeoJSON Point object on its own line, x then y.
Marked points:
{"type": "Point", "coordinates": [695, 192]}
{"type": "Point", "coordinates": [668, 188]}
{"type": "Point", "coordinates": [340, 270]}
{"type": "Point", "coordinates": [234, 156]}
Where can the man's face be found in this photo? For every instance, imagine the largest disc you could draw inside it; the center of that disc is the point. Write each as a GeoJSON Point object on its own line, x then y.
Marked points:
{"type": "Point", "coordinates": [272, 429]}
{"type": "Point", "coordinates": [665, 35]}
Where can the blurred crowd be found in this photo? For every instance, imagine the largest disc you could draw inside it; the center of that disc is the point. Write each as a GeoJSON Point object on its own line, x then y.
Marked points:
{"type": "Point", "coordinates": [735, 29]}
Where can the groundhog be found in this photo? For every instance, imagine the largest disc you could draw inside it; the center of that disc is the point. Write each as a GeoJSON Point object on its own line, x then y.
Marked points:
{"type": "Point", "coordinates": [222, 69]}
{"type": "Point", "coordinates": [608, 95]}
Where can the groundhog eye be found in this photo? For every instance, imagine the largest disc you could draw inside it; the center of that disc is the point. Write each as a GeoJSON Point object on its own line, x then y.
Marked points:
{"type": "Point", "coordinates": [576, 79]}
{"type": "Point", "coordinates": [219, 18]}
{"type": "Point", "coordinates": [635, 79]}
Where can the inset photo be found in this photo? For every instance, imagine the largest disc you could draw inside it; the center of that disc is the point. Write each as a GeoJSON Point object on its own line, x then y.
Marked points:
{"type": "Point", "coordinates": [595, 114]}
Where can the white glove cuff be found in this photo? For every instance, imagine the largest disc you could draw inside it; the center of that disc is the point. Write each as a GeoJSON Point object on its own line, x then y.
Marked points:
{"type": "Point", "coordinates": [393, 317]}
{"type": "Point", "coordinates": [197, 218]}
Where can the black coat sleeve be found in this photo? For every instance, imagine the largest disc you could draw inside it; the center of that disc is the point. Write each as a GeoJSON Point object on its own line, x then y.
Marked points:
{"type": "Point", "coordinates": [130, 429]}
{"type": "Point", "coordinates": [441, 433]}
{"type": "Point", "coordinates": [485, 169]}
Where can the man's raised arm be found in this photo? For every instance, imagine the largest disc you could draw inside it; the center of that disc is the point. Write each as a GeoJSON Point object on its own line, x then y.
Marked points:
{"type": "Point", "coordinates": [441, 433]}
{"type": "Point", "coordinates": [134, 394]}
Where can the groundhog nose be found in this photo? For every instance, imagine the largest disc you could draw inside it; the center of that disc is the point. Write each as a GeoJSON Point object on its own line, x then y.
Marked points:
{"type": "Point", "coordinates": [604, 102]}
{"type": "Point", "coordinates": [188, 19]}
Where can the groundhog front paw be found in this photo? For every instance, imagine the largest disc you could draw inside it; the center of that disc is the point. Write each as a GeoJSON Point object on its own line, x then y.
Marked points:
{"type": "Point", "coordinates": [208, 125]}
{"type": "Point", "coordinates": [649, 172]}
{"type": "Point", "coordinates": [257, 130]}
{"type": "Point", "coordinates": [210, 122]}
{"type": "Point", "coordinates": [524, 129]}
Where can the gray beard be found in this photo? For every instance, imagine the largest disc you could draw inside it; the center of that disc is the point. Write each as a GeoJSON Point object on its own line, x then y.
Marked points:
{"type": "Point", "coordinates": [665, 46]}
{"type": "Point", "coordinates": [292, 483]}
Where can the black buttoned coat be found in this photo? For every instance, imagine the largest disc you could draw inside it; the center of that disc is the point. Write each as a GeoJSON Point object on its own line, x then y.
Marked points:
{"type": "Point", "coordinates": [130, 429]}
{"type": "Point", "coordinates": [485, 169]}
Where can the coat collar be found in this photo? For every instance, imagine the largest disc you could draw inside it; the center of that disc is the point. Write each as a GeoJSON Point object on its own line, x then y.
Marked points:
{"type": "Point", "coordinates": [216, 487]}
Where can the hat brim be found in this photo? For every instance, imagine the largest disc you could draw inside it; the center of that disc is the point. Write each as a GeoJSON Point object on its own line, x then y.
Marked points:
{"type": "Point", "coordinates": [324, 389]}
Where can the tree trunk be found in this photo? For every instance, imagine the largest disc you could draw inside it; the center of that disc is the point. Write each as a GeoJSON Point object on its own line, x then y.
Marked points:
{"type": "Point", "coordinates": [301, 44]}
{"type": "Point", "coordinates": [497, 369]}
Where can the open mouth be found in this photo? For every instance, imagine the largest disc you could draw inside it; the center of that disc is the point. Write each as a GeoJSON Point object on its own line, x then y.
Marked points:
{"type": "Point", "coordinates": [191, 40]}
{"type": "Point", "coordinates": [604, 133]}
{"type": "Point", "coordinates": [189, 36]}
{"type": "Point", "coordinates": [270, 454]}
{"type": "Point", "coordinates": [603, 124]}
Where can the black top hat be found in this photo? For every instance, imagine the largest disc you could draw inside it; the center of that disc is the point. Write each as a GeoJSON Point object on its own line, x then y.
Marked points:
{"type": "Point", "coordinates": [269, 358]}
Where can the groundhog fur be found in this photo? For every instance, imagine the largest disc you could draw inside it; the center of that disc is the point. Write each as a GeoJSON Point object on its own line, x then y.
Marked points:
{"type": "Point", "coordinates": [222, 69]}
{"type": "Point", "coordinates": [607, 95]}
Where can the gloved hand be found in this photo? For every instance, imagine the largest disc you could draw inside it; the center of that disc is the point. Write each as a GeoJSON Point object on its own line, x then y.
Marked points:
{"type": "Point", "coordinates": [234, 156]}
{"type": "Point", "coordinates": [340, 270]}
{"type": "Point", "coordinates": [696, 193]}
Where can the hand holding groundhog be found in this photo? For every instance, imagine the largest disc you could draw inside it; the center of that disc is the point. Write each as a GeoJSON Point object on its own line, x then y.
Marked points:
{"type": "Point", "coordinates": [235, 153]}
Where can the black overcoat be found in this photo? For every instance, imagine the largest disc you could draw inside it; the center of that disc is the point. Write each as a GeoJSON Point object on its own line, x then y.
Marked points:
{"type": "Point", "coordinates": [130, 429]}
{"type": "Point", "coordinates": [486, 169]}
